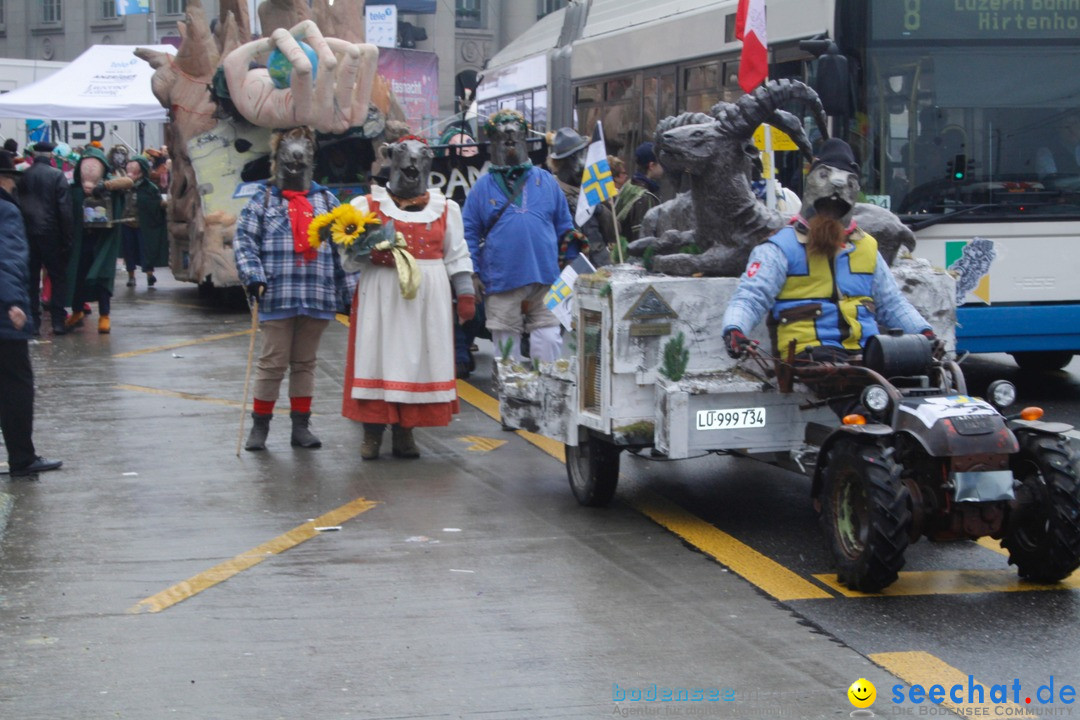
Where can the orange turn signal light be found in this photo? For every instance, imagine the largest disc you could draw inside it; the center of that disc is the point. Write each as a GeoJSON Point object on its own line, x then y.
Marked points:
{"type": "Point", "coordinates": [1031, 413]}
{"type": "Point", "coordinates": [854, 420]}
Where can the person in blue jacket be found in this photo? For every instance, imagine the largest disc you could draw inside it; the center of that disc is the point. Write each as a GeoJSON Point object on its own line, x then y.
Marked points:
{"type": "Point", "coordinates": [16, 374]}
{"type": "Point", "coordinates": [519, 228]}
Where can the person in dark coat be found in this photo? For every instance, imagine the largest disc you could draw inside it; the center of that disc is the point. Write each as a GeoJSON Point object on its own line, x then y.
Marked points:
{"type": "Point", "coordinates": [46, 208]}
{"type": "Point", "coordinates": [98, 200]}
{"type": "Point", "coordinates": [16, 374]}
{"type": "Point", "coordinates": [144, 235]}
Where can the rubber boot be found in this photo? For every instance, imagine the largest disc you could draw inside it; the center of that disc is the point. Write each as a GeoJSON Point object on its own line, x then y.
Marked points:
{"type": "Point", "coordinates": [402, 444]}
{"type": "Point", "coordinates": [369, 448]}
{"type": "Point", "coordinates": [257, 437]}
{"type": "Point", "coordinates": [301, 435]}
{"type": "Point", "coordinates": [104, 325]}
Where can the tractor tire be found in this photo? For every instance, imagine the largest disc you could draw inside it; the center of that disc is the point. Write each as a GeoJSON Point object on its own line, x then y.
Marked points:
{"type": "Point", "coordinates": [1043, 533]}
{"type": "Point", "coordinates": [866, 515]}
{"type": "Point", "coordinates": [593, 469]}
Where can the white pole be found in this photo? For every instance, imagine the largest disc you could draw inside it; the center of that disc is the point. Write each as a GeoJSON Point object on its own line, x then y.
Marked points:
{"type": "Point", "coordinates": [153, 23]}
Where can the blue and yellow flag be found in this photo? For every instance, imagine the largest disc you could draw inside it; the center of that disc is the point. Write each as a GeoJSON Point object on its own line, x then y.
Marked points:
{"type": "Point", "coordinates": [597, 184]}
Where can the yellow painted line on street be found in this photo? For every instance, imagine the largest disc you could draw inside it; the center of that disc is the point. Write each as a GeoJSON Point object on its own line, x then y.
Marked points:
{"type": "Point", "coordinates": [186, 343]}
{"type": "Point", "coordinates": [219, 573]}
{"type": "Point", "coordinates": [922, 668]}
{"type": "Point", "coordinates": [490, 407]}
{"type": "Point", "coordinates": [481, 444]}
{"type": "Point", "coordinates": [767, 574]}
{"type": "Point", "coordinates": [992, 544]}
{"type": "Point", "coordinates": [187, 396]}
{"type": "Point", "coordinates": [745, 561]}
{"type": "Point", "coordinates": [954, 582]}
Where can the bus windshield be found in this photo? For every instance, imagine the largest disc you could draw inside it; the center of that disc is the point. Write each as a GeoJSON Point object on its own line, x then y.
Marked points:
{"type": "Point", "coordinates": [990, 129]}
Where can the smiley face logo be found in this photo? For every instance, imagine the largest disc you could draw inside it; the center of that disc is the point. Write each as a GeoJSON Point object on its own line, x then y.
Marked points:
{"type": "Point", "coordinates": [862, 693]}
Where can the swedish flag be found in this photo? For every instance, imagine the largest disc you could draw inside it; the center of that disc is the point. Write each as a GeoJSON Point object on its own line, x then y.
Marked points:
{"type": "Point", "coordinates": [597, 184]}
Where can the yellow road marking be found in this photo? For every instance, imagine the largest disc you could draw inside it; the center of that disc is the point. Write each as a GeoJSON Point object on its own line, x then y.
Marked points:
{"type": "Point", "coordinates": [186, 343]}
{"type": "Point", "coordinates": [954, 582]}
{"type": "Point", "coordinates": [482, 444]}
{"type": "Point", "coordinates": [186, 396]}
{"type": "Point", "coordinates": [767, 574]}
{"type": "Point", "coordinates": [921, 668]}
{"type": "Point", "coordinates": [992, 544]}
{"type": "Point", "coordinates": [490, 407]}
{"type": "Point", "coordinates": [219, 573]}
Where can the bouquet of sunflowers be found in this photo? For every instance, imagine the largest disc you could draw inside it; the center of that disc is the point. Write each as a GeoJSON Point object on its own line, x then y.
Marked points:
{"type": "Point", "coordinates": [357, 233]}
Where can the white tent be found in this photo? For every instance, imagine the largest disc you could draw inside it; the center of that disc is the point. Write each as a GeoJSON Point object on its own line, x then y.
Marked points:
{"type": "Point", "coordinates": [107, 83]}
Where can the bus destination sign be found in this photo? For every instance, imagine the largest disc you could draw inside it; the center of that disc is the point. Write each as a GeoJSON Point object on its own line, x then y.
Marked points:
{"type": "Point", "coordinates": [975, 19]}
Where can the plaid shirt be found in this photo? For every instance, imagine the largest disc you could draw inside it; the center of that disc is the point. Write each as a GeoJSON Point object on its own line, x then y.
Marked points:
{"type": "Point", "coordinates": [264, 253]}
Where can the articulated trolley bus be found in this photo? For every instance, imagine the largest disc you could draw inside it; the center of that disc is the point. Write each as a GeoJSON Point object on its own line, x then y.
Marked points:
{"type": "Point", "coordinates": [965, 115]}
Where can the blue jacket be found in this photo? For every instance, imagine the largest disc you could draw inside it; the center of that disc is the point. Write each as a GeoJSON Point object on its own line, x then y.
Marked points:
{"type": "Point", "coordinates": [767, 272]}
{"type": "Point", "coordinates": [264, 253]}
{"type": "Point", "coordinates": [523, 246]}
{"type": "Point", "coordinates": [14, 272]}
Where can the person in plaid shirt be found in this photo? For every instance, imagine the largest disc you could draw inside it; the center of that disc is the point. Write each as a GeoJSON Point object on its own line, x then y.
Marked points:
{"type": "Point", "coordinates": [298, 288]}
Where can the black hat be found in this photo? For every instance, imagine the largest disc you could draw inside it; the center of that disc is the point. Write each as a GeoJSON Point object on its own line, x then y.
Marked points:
{"type": "Point", "coordinates": [7, 164]}
{"type": "Point", "coordinates": [644, 155]}
{"type": "Point", "coordinates": [836, 153]}
{"type": "Point", "coordinates": [566, 143]}
{"type": "Point", "coordinates": [44, 147]}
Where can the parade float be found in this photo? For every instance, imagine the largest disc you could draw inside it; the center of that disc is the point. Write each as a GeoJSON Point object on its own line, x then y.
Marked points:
{"type": "Point", "coordinates": [225, 92]}
{"type": "Point", "coordinates": [650, 374]}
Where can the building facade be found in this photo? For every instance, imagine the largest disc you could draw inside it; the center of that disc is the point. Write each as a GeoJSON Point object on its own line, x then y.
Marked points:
{"type": "Point", "coordinates": [464, 34]}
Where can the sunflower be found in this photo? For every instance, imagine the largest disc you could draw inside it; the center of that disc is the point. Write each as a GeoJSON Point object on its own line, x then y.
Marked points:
{"type": "Point", "coordinates": [349, 224]}
{"type": "Point", "coordinates": [319, 229]}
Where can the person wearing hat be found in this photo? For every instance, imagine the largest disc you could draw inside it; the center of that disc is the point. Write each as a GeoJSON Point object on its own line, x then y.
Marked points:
{"type": "Point", "coordinates": [820, 280]}
{"type": "Point", "coordinates": [515, 219]}
{"type": "Point", "coordinates": [641, 194]}
{"type": "Point", "coordinates": [566, 160]}
{"type": "Point", "coordinates": [46, 206]}
{"type": "Point", "coordinates": [97, 199]}
{"type": "Point", "coordinates": [16, 373]}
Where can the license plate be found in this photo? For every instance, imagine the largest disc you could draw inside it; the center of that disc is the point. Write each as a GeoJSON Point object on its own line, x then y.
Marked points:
{"type": "Point", "coordinates": [731, 419]}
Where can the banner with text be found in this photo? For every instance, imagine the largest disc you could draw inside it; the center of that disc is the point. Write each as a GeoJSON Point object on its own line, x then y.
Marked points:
{"type": "Point", "coordinates": [414, 78]}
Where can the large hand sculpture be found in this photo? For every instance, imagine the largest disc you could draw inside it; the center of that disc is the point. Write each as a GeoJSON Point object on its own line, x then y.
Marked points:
{"type": "Point", "coordinates": [334, 100]}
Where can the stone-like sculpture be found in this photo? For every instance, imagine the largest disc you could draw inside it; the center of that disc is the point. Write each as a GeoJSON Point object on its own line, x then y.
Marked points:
{"type": "Point", "coordinates": [727, 220]}
{"type": "Point", "coordinates": [222, 105]}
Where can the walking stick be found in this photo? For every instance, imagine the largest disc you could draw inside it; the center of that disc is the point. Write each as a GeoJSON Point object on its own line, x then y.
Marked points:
{"type": "Point", "coordinates": [247, 375]}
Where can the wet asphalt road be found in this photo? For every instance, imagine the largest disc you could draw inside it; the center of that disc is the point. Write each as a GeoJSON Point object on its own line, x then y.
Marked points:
{"type": "Point", "coordinates": [158, 575]}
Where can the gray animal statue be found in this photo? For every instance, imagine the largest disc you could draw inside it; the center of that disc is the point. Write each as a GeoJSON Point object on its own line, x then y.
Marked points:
{"type": "Point", "coordinates": [727, 220]}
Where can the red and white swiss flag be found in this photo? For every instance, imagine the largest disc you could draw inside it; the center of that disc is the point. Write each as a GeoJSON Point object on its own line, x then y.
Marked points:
{"type": "Point", "coordinates": [750, 28]}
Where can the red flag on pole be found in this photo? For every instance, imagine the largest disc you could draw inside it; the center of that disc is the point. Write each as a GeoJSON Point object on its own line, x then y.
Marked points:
{"type": "Point", "coordinates": [750, 28]}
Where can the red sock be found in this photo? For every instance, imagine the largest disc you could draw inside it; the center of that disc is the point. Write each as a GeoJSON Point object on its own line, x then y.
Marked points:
{"type": "Point", "coordinates": [262, 407]}
{"type": "Point", "coordinates": [300, 404]}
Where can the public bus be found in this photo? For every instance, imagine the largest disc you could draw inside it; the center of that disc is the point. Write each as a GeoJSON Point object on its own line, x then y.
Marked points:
{"type": "Point", "coordinates": [965, 115]}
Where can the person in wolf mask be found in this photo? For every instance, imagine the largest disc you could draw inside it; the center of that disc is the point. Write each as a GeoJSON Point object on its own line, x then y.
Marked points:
{"type": "Point", "coordinates": [518, 226]}
{"type": "Point", "coordinates": [400, 365]}
{"type": "Point", "coordinates": [566, 160]}
{"type": "Point", "coordinates": [299, 288]}
{"type": "Point", "coordinates": [821, 280]}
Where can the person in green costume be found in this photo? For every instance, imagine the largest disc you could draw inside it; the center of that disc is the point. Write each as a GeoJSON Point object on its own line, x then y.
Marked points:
{"type": "Point", "coordinates": [98, 200]}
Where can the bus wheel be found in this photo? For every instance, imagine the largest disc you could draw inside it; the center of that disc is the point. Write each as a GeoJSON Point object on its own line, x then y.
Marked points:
{"type": "Point", "coordinates": [1046, 361]}
{"type": "Point", "coordinates": [593, 468]}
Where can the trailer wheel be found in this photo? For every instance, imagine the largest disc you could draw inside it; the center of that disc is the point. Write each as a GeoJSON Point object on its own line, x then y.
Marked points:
{"type": "Point", "coordinates": [866, 515]}
{"type": "Point", "coordinates": [1043, 534]}
{"type": "Point", "coordinates": [593, 469]}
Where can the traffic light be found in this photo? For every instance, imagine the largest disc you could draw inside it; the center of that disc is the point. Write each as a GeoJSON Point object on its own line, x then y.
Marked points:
{"type": "Point", "coordinates": [959, 168]}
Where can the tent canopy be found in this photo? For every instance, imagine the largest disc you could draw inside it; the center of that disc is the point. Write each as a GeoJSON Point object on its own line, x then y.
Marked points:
{"type": "Point", "coordinates": [107, 82]}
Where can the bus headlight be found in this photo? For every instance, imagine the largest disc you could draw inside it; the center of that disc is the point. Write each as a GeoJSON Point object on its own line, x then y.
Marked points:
{"type": "Point", "coordinates": [1001, 393]}
{"type": "Point", "coordinates": [875, 398]}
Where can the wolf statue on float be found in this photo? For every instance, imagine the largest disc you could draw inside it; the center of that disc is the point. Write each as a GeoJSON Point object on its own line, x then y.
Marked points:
{"type": "Point", "coordinates": [223, 101]}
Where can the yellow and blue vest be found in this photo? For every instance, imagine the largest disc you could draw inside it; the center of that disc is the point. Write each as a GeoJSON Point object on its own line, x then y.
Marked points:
{"type": "Point", "coordinates": [823, 301]}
